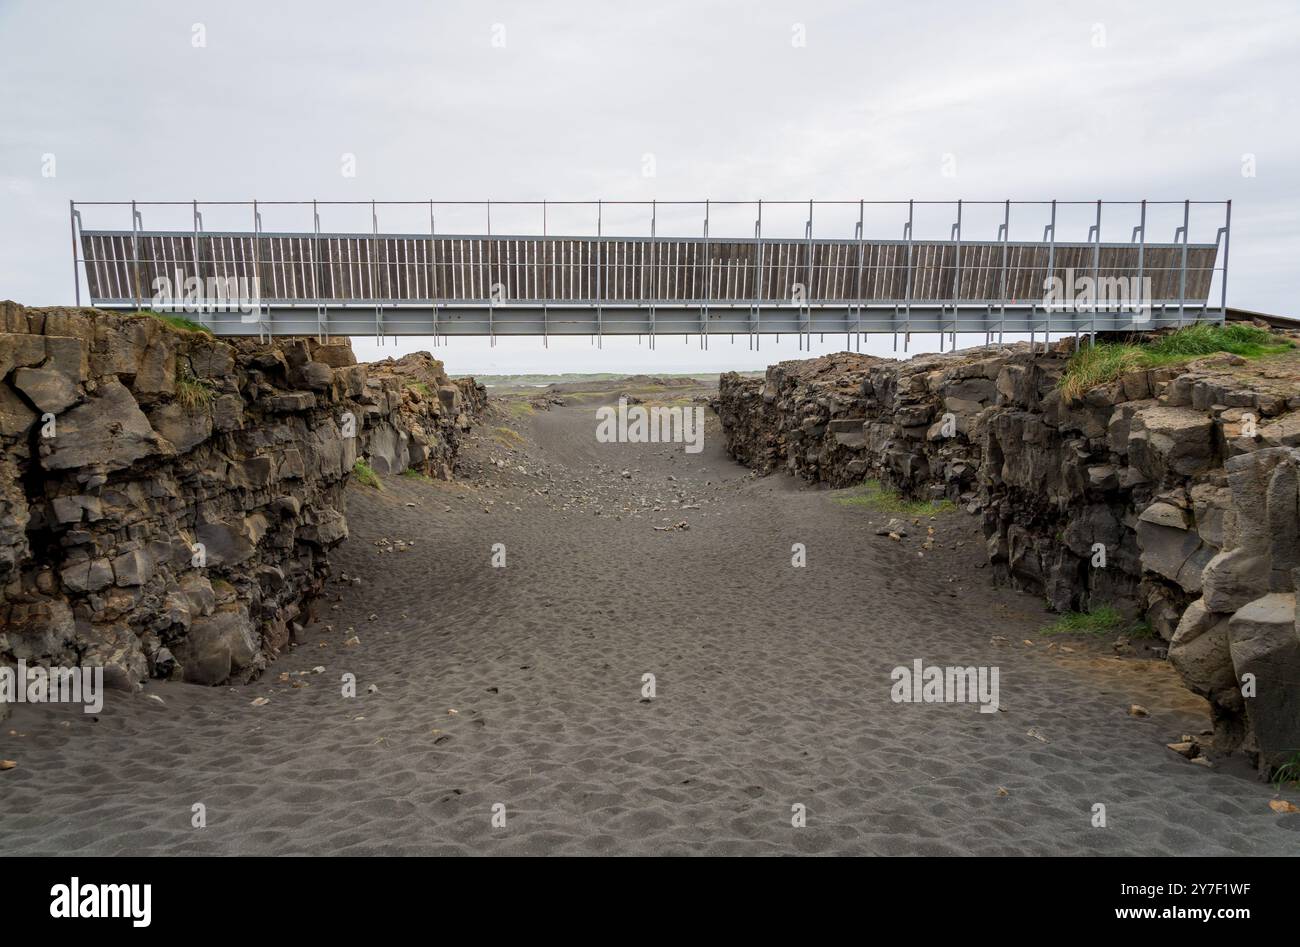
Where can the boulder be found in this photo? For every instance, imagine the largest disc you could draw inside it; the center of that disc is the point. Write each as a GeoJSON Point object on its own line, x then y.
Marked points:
{"type": "Point", "coordinates": [292, 402]}
{"type": "Point", "coordinates": [218, 646]}
{"type": "Point", "coordinates": [315, 375]}
{"type": "Point", "coordinates": [1166, 441]}
{"type": "Point", "coordinates": [387, 449]}
{"type": "Point", "coordinates": [1284, 432]}
{"type": "Point", "coordinates": [225, 544]}
{"type": "Point", "coordinates": [1264, 642]}
{"type": "Point", "coordinates": [1169, 546]}
{"type": "Point", "coordinates": [87, 575]}
{"type": "Point", "coordinates": [329, 527]}
{"type": "Point", "coordinates": [16, 417]}
{"type": "Point", "coordinates": [38, 629]}
{"type": "Point", "coordinates": [199, 593]}
{"type": "Point", "coordinates": [108, 432]}
{"type": "Point", "coordinates": [116, 649]}
{"type": "Point", "coordinates": [1283, 518]}
{"type": "Point", "coordinates": [1233, 578]}
{"type": "Point", "coordinates": [1249, 476]}
{"type": "Point", "coordinates": [134, 567]}
{"type": "Point", "coordinates": [1199, 652]}
{"type": "Point", "coordinates": [20, 350]}
{"type": "Point", "coordinates": [334, 355]}
{"type": "Point", "coordinates": [49, 391]}
{"type": "Point", "coordinates": [185, 428]}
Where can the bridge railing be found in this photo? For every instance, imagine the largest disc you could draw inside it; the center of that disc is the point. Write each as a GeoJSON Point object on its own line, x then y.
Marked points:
{"type": "Point", "coordinates": [1065, 267]}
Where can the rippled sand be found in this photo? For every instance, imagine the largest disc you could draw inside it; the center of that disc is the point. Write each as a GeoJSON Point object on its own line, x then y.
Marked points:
{"type": "Point", "coordinates": [772, 690]}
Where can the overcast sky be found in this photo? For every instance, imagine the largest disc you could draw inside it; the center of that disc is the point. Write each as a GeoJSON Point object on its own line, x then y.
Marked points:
{"type": "Point", "coordinates": [669, 100]}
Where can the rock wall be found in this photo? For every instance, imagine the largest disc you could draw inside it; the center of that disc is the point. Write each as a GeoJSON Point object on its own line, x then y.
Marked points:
{"type": "Point", "coordinates": [168, 499]}
{"type": "Point", "coordinates": [1182, 478]}
{"type": "Point", "coordinates": [415, 412]}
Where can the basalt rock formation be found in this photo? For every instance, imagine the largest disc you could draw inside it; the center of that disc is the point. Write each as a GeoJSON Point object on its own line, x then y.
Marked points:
{"type": "Point", "coordinates": [417, 428]}
{"type": "Point", "coordinates": [168, 499]}
{"type": "Point", "coordinates": [1170, 494]}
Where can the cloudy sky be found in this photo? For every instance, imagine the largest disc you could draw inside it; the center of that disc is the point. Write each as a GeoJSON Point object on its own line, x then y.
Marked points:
{"type": "Point", "coordinates": [669, 100]}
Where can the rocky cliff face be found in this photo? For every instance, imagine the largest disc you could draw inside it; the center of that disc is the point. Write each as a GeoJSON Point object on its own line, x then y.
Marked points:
{"type": "Point", "coordinates": [1170, 494]}
{"type": "Point", "coordinates": [413, 423]}
{"type": "Point", "coordinates": [168, 499]}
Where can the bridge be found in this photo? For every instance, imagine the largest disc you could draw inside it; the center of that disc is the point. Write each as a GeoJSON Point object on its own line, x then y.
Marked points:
{"type": "Point", "coordinates": [766, 280]}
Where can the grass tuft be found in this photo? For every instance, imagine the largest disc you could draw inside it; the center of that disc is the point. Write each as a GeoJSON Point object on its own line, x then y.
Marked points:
{"type": "Point", "coordinates": [175, 321]}
{"type": "Point", "coordinates": [193, 393]}
{"type": "Point", "coordinates": [1288, 774]}
{"type": "Point", "coordinates": [1098, 364]}
{"type": "Point", "coordinates": [508, 435]}
{"type": "Point", "coordinates": [1101, 620]}
{"type": "Point", "coordinates": [872, 496]}
{"type": "Point", "coordinates": [366, 475]}
{"type": "Point", "coordinates": [424, 389]}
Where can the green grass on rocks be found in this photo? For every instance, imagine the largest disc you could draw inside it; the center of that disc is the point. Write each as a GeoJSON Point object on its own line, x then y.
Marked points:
{"type": "Point", "coordinates": [1099, 621]}
{"type": "Point", "coordinates": [365, 475]}
{"type": "Point", "coordinates": [1098, 364]}
{"type": "Point", "coordinates": [175, 321]}
{"type": "Point", "coordinates": [872, 496]}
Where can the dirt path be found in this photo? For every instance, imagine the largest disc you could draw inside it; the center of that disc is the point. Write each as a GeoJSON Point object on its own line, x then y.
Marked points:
{"type": "Point", "coordinates": [523, 686]}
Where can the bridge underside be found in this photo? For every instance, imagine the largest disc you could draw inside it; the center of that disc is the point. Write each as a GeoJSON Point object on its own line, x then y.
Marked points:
{"type": "Point", "coordinates": [638, 320]}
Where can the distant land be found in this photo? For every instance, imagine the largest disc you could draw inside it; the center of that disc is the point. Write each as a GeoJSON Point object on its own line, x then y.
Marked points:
{"type": "Point", "coordinates": [541, 381]}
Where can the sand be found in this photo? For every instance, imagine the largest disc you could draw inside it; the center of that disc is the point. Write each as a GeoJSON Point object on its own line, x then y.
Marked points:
{"type": "Point", "coordinates": [522, 687]}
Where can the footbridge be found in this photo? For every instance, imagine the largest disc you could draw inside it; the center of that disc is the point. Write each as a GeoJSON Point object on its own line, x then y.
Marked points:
{"type": "Point", "coordinates": [654, 268]}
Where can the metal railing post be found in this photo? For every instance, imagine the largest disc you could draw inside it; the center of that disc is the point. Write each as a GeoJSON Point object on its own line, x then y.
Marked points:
{"type": "Point", "coordinates": [807, 293]}
{"type": "Point", "coordinates": [708, 281]}
{"type": "Point", "coordinates": [257, 271]}
{"type": "Point", "coordinates": [654, 269]}
{"type": "Point", "coordinates": [322, 313]}
{"type": "Point", "coordinates": [1004, 233]}
{"type": "Point", "coordinates": [76, 272]}
{"type": "Point", "coordinates": [757, 330]}
{"type": "Point", "coordinates": [491, 284]}
{"type": "Point", "coordinates": [1140, 232]}
{"type": "Point", "coordinates": [956, 281]}
{"type": "Point", "coordinates": [907, 324]}
{"type": "Point", "coordinates": [1223, 286]}
{"type": "Point", "coordinates": [135, 252]}
{"type": "Point", "coordinates": [433, 270]}
{"type": "Point", "coordinates": [1096, 281]}
{"type": "Point", "coordinates": [198, 266]}
{"type": "Point", "coordinates": [546, 313]}
{"type": "Point", "coordinates": [374, 272]}
{"type": "Point", "coordinates": [1051, 274]}
{"type": "Point", "coordinates": [270, 284]}
{"type": "Point", "coordinates": [600, 343]}
{"type": "Point", "coordinates": [1182, 275]}
{"type": "Point", "coordinates": [862, 218]}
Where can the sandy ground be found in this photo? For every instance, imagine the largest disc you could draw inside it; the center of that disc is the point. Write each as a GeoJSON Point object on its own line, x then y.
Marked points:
{"type": "Point", "coordinates": [522, 686]}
